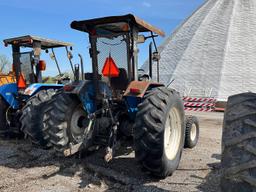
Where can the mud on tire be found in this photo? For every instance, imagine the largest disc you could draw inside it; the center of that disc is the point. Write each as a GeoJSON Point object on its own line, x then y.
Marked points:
{"type": "Point", "coordinates": [32, 116]}
{"type": "Point", "coordinates": [239, 144]}
{"type": "Point", "coordinates": [156, 149]}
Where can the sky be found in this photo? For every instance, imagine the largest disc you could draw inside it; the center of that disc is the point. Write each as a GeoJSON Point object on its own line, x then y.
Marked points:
{"type": "Point", "coordinates": [52, 18]}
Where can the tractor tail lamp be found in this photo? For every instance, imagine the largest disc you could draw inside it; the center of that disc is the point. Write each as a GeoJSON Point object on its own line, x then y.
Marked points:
{"type": "Point", "coordinates": [135, 90]}
{"type": "Point", "coordinates": [68, 88]}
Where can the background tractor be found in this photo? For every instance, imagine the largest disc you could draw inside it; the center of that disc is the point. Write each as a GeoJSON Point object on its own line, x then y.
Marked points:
{"type": "Point", "coordinates": [24, 95]}
{"type": "Point", "coordinates": [238, 159]}
{"type": "Point", "coordinates": [117, 100]}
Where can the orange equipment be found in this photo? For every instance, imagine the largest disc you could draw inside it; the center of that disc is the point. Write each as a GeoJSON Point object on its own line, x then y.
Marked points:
{"type": "Point", "coordinates": [7, 78]}
{"type": "Point", "coordinates": [42, 65]}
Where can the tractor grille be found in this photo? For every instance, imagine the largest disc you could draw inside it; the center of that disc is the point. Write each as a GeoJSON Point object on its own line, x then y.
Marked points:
{"type": "Point", "coordinates": [115, 47]}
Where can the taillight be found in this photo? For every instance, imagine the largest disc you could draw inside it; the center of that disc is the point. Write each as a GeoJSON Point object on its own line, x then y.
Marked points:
{"type": "Point", "coordinates": [135, 90]}
{"type": "Point", "coordinates": [68, 87]}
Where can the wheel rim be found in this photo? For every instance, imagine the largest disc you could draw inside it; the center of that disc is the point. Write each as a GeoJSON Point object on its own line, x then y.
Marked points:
{"type": "Point", "coordinates": [79, 122]}
{"type": "Point", "coordinates": [172, 134]}
{"type": "Point", "coordinates": [193, 132]}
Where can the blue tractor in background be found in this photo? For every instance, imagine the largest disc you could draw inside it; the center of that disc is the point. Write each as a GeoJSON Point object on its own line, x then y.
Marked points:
{"type": "Point", "coordinates": [118, 101]}
{"type": "Point", "coordinates": [22, 102]}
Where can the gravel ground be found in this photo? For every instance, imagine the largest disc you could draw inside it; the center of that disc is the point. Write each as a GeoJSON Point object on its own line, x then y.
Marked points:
{"type": "Point", "coordinates": [24, 167]}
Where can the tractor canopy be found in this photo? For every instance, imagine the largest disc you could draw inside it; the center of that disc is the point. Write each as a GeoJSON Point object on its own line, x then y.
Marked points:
{"type": "Point", "coordinates": [114, 48]}
{"type": "Point", "coordinates": [115, 24]}
{"type": "Point", "coordinates": [27, 65]}
{"type": "Point", "coordinates": [27, 41]}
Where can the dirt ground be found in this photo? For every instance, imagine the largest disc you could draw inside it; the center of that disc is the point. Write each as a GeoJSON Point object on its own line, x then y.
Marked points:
{"type": "Point", "coordinates": [24, 167]}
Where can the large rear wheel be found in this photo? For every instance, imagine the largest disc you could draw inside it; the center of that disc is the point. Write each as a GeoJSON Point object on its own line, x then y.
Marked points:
{"type": "Point", "coordinates": [65, 121]}
{"type": "Point", "coordinates": [32, 116]}
{"type": "Point", "coordinates": [239, 144]}
{"type": "Point", "coordinates": [159, 131]}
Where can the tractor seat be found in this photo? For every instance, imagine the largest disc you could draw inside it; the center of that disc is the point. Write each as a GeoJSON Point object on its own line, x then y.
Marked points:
{"type": "Point", "coordinates": [120, 82]}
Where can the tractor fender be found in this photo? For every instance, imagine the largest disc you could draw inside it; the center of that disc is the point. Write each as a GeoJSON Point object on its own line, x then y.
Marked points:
{"type": "Point", "coordinates": [85, 90]}
{"type": "Point", "coordinates": [36, 87]}
{"type": "Point", "coordinates": [134, 95]}
{"type": "Point", "coordinates": [139, 88]}
{"type": "Point", "coordinates": [9, 93]}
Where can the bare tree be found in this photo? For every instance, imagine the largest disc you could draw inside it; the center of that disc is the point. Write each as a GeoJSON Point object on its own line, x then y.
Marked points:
{"type": "Point", "coordinates": [4, 64]}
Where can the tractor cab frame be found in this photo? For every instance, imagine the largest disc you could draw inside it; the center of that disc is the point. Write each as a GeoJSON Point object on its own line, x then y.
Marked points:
{"type": "Point", "coordinates": [116, 39]}
{"type": "Point", "coordinates": [28, 67]}
{"type": "Point", "coordinates": [23, 101]}
{"type": "Point", "coordinates": [37, 44]}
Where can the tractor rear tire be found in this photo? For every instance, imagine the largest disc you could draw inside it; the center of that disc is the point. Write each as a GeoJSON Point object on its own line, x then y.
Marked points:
{"type": "Point", "coordinates": [64, 121]}
{"type": "Point", "coordinates": [192, 131]}
{"type": "Point", "coordinates": [159, 131]}
{"type": "Point", "coordinates": [3, 121]}
{"type": "Point", "coordinates": [32, 116]}
{"type": "Point", "coordinates": [239, 144]}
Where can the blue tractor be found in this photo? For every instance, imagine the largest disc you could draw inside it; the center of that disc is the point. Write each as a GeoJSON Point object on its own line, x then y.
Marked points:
{"type": "Point", "coordinates": [22, 102]}
{"type": "Point", "coordinates": [118, 101]}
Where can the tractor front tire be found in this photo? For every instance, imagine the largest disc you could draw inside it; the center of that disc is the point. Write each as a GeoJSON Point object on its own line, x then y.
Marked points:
{"type": "Point", "coordinates": [192, 131]}
{"type": "Point", "coordinates": [64, 121]}
{"type": "Point", "coordinates": [3, 121]}
{"type": "Point", "coordinates": [239, 144]}
{"type": "Point", "coordinates": [159, 131]}
{"type": "Point", "coordinates": [32, 116]}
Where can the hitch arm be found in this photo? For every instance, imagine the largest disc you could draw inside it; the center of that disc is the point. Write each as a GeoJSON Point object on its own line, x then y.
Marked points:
{"type": "Point", "coordinates": [111, 144]}
{"type": "Point", "coordinates": [112, 141]}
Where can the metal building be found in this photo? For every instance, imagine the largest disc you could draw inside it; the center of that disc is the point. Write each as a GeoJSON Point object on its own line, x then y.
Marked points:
{"type": "Point", "coordinates": [213, 52]}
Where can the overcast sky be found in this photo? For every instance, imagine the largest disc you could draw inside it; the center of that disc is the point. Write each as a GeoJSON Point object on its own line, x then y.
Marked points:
{"type": "Point", "coordinates": [52, 18]}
